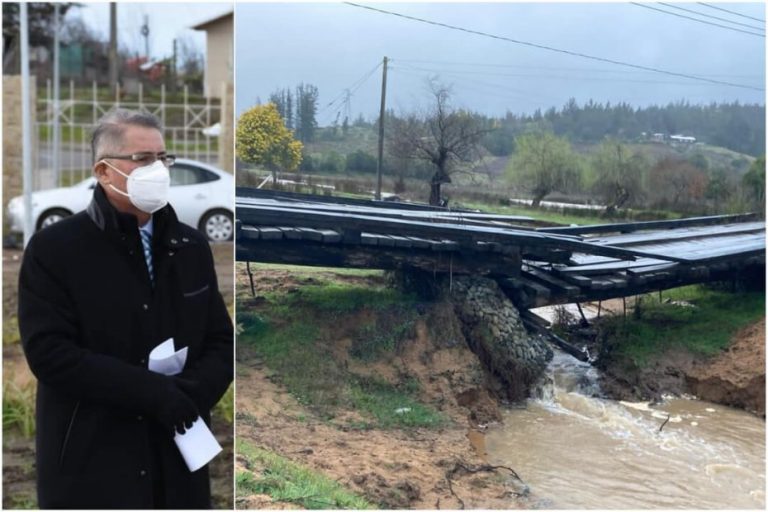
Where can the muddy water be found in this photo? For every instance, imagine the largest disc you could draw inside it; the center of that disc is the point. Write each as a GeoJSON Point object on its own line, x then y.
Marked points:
{"type": "Point", "coordinates": [578, 451]}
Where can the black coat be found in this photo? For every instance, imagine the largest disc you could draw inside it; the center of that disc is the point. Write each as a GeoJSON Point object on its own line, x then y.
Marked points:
{"type": "Point", "coordinates": [88, 317]}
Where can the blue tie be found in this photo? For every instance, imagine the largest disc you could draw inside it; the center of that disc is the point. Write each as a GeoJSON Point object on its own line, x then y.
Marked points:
{"type": "Point", "coordinates": [146, 240]}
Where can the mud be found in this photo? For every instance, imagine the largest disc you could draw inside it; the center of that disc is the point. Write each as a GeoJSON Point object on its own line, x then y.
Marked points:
{"type": "Point", "coordinates": [395, 468]}
{"type": "Point", "coordinates": [735, 377]}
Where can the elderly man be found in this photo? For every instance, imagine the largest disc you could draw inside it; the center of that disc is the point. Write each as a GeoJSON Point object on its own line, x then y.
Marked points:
{"type": "Point", "coordinates": [97, 292]}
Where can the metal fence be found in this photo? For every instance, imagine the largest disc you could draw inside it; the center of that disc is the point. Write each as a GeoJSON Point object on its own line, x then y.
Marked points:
{"type": "Point", "coordinates": [183, 123]}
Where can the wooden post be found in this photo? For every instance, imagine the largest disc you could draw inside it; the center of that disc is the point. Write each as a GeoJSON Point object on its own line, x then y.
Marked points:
{"type": "Point", "coordinates": [250, 276]}
{"type": "Point", "coordinates": [583, 317]}
{"type": "Point", "coordinates": [380, 162]}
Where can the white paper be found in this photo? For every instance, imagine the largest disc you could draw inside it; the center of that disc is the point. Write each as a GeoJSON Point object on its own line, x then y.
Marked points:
{"type": "Point", "coordinates": [197, 445]}
{"type": "Point", "coordinates": [164, 359]}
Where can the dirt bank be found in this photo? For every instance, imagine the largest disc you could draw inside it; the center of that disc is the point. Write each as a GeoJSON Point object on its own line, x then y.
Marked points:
{"type": "Point", "coordinates": [391, 467]}
{"type": "Point", "coordinates": [734, 377]}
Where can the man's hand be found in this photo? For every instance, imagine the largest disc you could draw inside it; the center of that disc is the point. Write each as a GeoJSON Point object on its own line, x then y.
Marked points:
{"type": "Point", "coordinates": [175, 410]}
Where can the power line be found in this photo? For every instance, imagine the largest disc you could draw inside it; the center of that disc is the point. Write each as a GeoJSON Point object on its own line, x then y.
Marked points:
{"type": "Point", "coordinates": [697, 13]}
{"type": "Point", "coordinates": [644, 6]}
{"type": "Point", "coordinates": [546, 68]}
{"type": "Point", "coordinates": [352, 88]}
{"type": "Point", "coordinates": [551, 77]}
{"type": "Point", "coordinates": [552, 49]}
{"type": "Point", "coordinates": [729, 12]}
{"type": "Point", "coordinates": [511, 94]}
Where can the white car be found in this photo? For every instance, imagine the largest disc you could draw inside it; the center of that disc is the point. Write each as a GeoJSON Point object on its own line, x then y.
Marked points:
{"type": "Point", "coordinates": [201, 195]}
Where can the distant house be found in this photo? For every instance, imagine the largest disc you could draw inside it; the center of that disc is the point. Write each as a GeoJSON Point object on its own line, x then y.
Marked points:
{"type": "Point", "coordinates": [657, 137]}
{"type": "Point", "coordinates": [219, 55]}
{"type": "Point", "coordinates": [682, 138]}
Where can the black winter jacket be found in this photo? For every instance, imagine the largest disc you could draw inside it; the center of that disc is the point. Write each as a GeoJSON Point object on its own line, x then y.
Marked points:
{"type": "Point", "coordinates": [88, 317]}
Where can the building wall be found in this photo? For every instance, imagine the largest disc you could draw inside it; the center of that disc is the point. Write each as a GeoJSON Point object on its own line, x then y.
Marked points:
{"type": "Point", "coordinates": [12, 158]}
{"type": "Point", "coordinates": [219, 56]}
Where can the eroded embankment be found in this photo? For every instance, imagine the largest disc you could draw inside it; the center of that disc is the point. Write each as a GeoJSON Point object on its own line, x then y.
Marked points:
{"type": "Point", "coordinates": [711, 346]}
{"type": "Point", "coordinates": [383, 393]}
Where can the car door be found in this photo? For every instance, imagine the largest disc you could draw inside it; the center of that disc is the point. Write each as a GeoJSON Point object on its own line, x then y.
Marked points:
{"type": "Point", "coordinates": [190, 192]}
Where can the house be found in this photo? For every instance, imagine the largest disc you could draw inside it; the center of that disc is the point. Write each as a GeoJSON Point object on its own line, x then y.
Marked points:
{"type": "Point", "coordinates": [219, 58]}
{"type": "Point", "coordinates": [682, 138]}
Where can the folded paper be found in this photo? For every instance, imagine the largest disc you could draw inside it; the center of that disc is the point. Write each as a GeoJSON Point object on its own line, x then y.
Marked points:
{"type": "Point", "coordinates": [166, 360]}
{"type": "Point", "coordinates": [197, 445]}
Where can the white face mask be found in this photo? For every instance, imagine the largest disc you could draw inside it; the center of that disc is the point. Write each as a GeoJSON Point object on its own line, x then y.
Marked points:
{"type": "Point", "coordinates": [147, 186]}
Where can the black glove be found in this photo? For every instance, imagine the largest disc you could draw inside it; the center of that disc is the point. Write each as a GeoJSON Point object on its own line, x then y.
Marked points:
{"type": "Point", "coordinates": [189, 387]}
{"type": "Point", "coordinates": [174, 409]}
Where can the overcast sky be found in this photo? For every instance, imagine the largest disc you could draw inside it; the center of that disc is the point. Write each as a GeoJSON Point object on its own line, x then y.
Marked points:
{"type": "Point", "coordinates": [333, 46]}
{"type": "Point", "coordinates": [166, 22]}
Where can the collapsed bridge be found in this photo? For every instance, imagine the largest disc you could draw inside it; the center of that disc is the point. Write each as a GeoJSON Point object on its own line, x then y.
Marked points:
{"type": "Point", "coordinates": [536, 266]}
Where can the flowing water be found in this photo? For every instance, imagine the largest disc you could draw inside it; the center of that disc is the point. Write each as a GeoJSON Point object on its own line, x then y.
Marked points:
{"type": "Point", "coordinates": [575, 450]}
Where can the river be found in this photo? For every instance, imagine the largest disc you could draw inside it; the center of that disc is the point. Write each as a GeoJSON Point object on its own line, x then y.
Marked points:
{"type": "Point", "coordinates": [575, 450]}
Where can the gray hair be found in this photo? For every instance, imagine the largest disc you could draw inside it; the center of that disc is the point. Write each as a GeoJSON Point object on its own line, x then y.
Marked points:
{"type": "Point", "coordinates": [108, 135]}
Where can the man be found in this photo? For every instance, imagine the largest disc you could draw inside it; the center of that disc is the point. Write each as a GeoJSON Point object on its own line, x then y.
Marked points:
{"type": "Point", "coordinates": [97, 292]}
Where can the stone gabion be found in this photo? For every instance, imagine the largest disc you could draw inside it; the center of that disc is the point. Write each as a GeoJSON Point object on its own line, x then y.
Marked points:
{"type": "Point", "coordinates": [494, 330]}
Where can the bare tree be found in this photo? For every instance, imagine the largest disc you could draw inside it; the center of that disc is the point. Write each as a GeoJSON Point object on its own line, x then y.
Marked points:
{"type": "Point", "coordinates": [445, 137]}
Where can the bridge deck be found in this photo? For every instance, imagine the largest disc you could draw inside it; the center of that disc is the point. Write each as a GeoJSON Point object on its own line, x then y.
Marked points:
{"type": "Point", "coordinates": [536, 266]}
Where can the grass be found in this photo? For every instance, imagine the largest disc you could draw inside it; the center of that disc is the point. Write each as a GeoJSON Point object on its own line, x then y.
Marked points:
{"type": "Point", "coordinates": [384, 334]}
{"type": "Point", "coordinates": [294, 333]}
{"type": "Point", "coordinates": [19, 408]}
{"type": "Point", "coordinates": [79, 134]}
{"type": "Point", "coordinates": [393, 406]}
{"type": "Point", "coordinates": [11, 334]}
{"type": "Point", "coordinates": [705, 329]}
{"type": "Point", "coordinates": [541, 214]}
{"type": "Point", "coordinates": [23, 502]}
{"type": "Point", "coordinates": [286, 481]}
{"type": "Point", "coordinates": [225, 408]}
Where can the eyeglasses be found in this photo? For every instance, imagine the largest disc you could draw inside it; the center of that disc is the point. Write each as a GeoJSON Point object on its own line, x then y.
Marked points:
{"type": "Point", "coordinates": [146, 158]}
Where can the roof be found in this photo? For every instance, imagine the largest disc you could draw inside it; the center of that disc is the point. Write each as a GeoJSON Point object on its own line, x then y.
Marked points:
{"type": "Point", "coordinates": [205, 24]}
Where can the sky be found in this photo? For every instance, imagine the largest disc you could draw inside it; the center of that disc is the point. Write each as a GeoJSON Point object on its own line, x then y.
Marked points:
{"type": "Point", "coordinates": [335, 46]}
{"type": "Point", "coordinates": [166, 22]}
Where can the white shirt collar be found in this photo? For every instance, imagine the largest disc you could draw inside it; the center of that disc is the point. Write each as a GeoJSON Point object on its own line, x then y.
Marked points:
{"type": "Point", "coordinates": [148, 227]}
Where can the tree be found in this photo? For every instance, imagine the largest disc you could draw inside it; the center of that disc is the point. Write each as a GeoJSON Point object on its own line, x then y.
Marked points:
{"type": "Point", "coordinates": [283, 99]}
{"type": "Point", "coordinates": [544, 163]}
{"type": "Point", "coordinates": [619, 175]}
{"type": "Point", "coordinates": [447, 138]}
{"type": "Point", "coordinates": [263, 139]}
{"type": "Point", "coordinates": [754, 184]}
{"type": "Point", "coordinates": [40, 30]}
{"type": "Point", "coordinates": [718, 189]}
{"type": "Point", "coordinates": [677, 181]}
{"type": "Point", "coordinates": [306, 112]}
{"type": "Point", "coordinates": [360, 161]}
{"type": "Point", "coordinates": [191, 63]}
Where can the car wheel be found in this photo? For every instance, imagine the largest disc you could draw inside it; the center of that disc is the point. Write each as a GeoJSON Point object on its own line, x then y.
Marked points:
{"type": "Point", "coordinates": [218, 226]}
{"type": "Point", "coordinates": [52, 216]}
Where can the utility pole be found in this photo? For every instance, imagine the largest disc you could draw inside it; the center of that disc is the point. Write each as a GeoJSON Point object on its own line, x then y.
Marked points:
{"type": "Point", "coordinates": [381, 129]}
{"type": "Point", "coordinates": [145, 33]}
{"type": "Point", "coordinates": [174, 70]}
{"type": "Point", "coordinates": [113, 46]}
{"type": "Point", "coordinates": [26, 124]}
{"type": "Point", "coordinates": [56, 149]}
